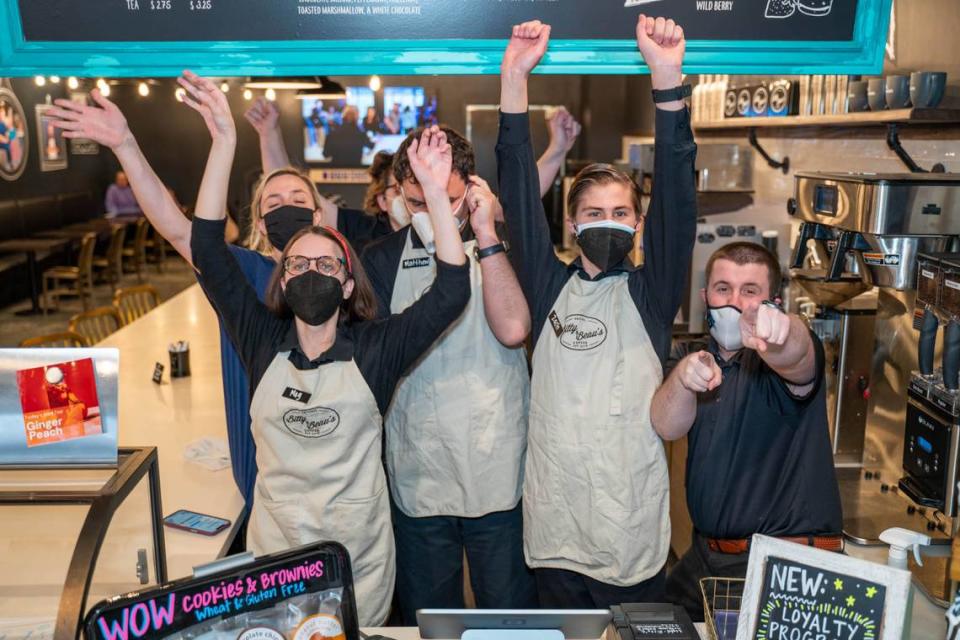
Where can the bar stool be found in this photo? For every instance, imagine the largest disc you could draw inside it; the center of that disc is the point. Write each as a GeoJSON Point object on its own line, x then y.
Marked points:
{"type": "Point", "coordinates": [95, 325]}
{"type": "Point", "coordinates": [136, 255]}
{"type": "Point", "coordinates": [62, 339]}
{"type": "Point", "coordinates": [78, 279]}
{"type": "Point", "coordinates": [156, 245]}
{"type": "Point", "coordinates": [133, 302]}
{"type": "Point", "coordinates": [111, 263]}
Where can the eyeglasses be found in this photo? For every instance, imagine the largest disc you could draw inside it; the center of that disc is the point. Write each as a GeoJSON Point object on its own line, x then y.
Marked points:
{"type": "Point", "coordinates": [327, 265]}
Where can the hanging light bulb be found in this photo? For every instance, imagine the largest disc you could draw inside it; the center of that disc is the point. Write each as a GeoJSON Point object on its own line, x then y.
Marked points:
{"type": "Point", "coordinates": [39, 80]}
{"type": "Point", "coordinates": [225, 86]}
{"type": "Point", "coordinates": [73, 83]}
{"type": "Point", "coordinates": [143, 89]}
{"type": "Point", "coordinates": [375, 83]}
{"type": "Point", "coordinates": [247, 94]}
{"type": "Point", "coordinates": [105, 90]}
{"type": "Point", "coordinates": [55, 79]}
{"type": "Point", "coordinates": [179, 94]}
{"type": "Point", "coordinates": [270, 94]}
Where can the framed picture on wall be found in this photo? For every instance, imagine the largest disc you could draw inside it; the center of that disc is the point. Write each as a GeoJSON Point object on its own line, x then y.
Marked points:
{"type": "Point", "coordinates": [82, 146]}
{"type": "Point", "coordinates": [14, 137]}
{"type": "Point", "coordinates": [51, 144]}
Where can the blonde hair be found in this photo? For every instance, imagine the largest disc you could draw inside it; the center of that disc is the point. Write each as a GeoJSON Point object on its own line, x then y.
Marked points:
{"type": "Point", "coordinates": [600, 174]}
{"type": "Point", "coordinates": [256, 240]}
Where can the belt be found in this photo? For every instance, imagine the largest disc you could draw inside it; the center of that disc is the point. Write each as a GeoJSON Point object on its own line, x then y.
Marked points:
{"type": "Point", "coordinates": [828, 543]}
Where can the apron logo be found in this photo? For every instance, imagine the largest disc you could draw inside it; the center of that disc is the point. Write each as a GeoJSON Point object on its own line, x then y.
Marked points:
{"type": "Point", "coordinates": [315, 422]}
{"type": "Point", "coordinates": [555, 323]}
{"type": "Point", "coordinates": [416, 263]}
{"type": "Point", "coordinates": [296, 395]}
{"type": "Point", "coordinates": [582, 333]}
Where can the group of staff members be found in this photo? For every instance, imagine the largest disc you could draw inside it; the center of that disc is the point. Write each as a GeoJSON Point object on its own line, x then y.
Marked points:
{"type": "Point", "coordinates": [378, 390]}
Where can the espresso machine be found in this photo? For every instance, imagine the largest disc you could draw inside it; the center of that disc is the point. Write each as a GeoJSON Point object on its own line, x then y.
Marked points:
{"type": "Point", "coordinates": [874, 227]}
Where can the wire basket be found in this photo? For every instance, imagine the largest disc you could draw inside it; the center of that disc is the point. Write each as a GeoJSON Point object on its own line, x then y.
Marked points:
{"type": "Point", "coordinates": [721, 606]}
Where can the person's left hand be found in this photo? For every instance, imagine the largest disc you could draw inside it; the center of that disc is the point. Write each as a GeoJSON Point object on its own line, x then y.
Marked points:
{"type": "Point", "coordinates": [431, 160]}
{"type": "Point", "coordinates": [564, 130]}
{"type": "Point", "coordinates": [210, 102]}
{"type": "Point", "coordinates": [662, 45]}
{"type": "Point", "coordinates": [764, 326]}
{"type": "Point", "coordinates": [485, 209]}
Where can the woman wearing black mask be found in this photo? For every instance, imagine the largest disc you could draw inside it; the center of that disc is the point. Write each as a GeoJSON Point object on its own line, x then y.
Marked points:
{"type": "Point", "coordinates": [596, 514]}
{"type": "Point", "coordinates": [285, 201]}
{"type": "Point", "coordinates": [319, 383]}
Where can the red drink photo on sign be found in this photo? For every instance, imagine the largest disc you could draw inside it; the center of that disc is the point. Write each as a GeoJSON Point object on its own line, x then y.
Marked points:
{"type": "Point", "coordinates": [59, 402]}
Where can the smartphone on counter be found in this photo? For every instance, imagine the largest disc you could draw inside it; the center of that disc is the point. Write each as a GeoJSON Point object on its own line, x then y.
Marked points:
{"type": "Point", "coordinates": [196, 522]}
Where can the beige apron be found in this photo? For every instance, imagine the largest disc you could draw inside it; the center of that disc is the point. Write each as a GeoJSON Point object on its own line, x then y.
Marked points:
{"type": "Point", "coordinates": [320, 475]}
{"type": "Point", "coordinates": [595, 497]}
{"type": "Point", "coordinates": [457, 428]}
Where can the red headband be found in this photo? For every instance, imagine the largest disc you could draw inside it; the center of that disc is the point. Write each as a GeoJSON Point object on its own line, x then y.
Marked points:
{"type": "Point", "coordinates": [343, 245]}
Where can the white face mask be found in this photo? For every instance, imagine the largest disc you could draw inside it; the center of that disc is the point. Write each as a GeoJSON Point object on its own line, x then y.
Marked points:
{"type": "Point", "coordinates": [724, 323]}
{"type": "Point", "coordinates": [398, 212]}
{"type": "Point", "coordinates": [424, 226]}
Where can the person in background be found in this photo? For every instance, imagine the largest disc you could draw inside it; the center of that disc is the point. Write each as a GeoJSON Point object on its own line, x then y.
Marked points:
{"type": "Point", "coordinates": [371, 121]}
{"type": "Point", "coordinates": [456, 430]}
{"type": "Point", "coordinates": [346, 142]}
{"type": "Point", "coordinates": [283, 202]}
{"type": "Point", "coordinates": [381, 199]}
{"type": "Point", "coordinates": [752, 402]}
{"type": "Point", "coordinates": [121, 200]}
{"type": "Point", "coordinates": [595, 494]}
{"type": "Point", "coordinates": [319, 451]}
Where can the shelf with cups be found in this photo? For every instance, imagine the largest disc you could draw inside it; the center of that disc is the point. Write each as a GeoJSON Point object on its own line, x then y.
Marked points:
{"type": "Point", "coordinates": [918, 116]}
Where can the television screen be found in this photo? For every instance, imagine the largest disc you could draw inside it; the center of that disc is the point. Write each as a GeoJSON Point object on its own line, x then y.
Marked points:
{"type": "Point", "coordinates": [329, 139]}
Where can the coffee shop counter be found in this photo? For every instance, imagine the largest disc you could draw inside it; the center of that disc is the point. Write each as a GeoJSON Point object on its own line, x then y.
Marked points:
{"type": "Point", "coordinates": [36, 541]}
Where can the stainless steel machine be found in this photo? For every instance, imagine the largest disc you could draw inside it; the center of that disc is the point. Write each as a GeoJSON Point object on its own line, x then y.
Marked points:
{"type": "Point", "coordinates": [873, 227]}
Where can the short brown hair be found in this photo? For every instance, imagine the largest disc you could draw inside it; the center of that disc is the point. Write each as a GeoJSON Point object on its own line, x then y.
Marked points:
{"type": "Point", "coordinates": [464, 161]}
{"type": "Point", "coordinates": [361, 305]}
{"type": "Point", "coordinates": [741, 253]}
{"type": "Point", "coordinates": [380, 171]}
{"type": "Point", "coordinates": [598, 174]}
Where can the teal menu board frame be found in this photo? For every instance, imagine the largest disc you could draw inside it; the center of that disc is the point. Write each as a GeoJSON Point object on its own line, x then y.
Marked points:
{"type": "Point", "coordinates": [139, 38]}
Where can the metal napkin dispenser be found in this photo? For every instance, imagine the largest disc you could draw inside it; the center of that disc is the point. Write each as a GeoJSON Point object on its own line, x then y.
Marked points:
{"type": "Point", "coordinates": [884, 220]}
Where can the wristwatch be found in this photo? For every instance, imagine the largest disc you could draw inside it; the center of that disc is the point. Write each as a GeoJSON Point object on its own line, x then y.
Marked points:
{"type": "Point", "coordinates": [774, 305]}
{"type": "Point", "coordinates": [480, 254]}
{"type": "Point", "coordinates": [669, 95]}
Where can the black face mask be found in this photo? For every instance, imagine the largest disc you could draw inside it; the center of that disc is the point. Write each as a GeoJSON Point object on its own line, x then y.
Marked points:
{"type": "Point", "coordinates": [313, 297]}
{"type": "Point", "coordinates": [285, 221]}
{"type": "Point", "coordinates": [605, 247]}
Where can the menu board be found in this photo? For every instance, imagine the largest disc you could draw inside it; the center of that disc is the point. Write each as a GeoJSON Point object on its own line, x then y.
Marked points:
{"type": "Point", "coordinates": [800, 601]}
{"type": "Point", "coordinates": [157, 20]}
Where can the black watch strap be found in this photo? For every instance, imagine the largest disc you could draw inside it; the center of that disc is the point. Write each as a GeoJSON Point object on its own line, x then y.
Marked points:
{"type": "Point", "coordinates": [669, 95]}
{"type": "Point", "coordinates": [500, 247]}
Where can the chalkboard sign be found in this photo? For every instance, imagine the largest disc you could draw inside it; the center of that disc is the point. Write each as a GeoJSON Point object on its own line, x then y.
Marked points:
{"type": "Point", "coordinates": [796, 591]}
{"type": "Point", "coordinates": [275, 37]}
{"type": "Point", "coordinates": [800, 601]}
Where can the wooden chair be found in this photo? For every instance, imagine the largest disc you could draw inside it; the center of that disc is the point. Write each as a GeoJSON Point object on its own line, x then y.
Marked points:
{"type": "Point", "coordinates": [111, 263]}
{"type": "Point", "coordinates": [66, 280]}
{"type": "Point", "coordinates": [133, 302]}
{"type": "Point", "coordinates": [156, 246]}
{"type": "Point", "coordinates": [95, 325]}
{"type": "Point", "coordinates": [56, 340]}
{"type": "Point", "coordinates": [136, 255]}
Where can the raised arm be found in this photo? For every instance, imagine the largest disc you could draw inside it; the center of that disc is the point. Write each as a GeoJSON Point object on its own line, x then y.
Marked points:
{"type": "Point", "coordinates": [248, 321]}
{"type": "Point", "coordinates": [503, 304]}
{"type": "Point", "coordinates": [784, 342]}
{"type": "Point", "coordinates": [671, 220]}
{"type": "Point", "coordinates": [564, 130]}
{"type": "Point", "coordinates": [106, 125]}
{"type": "Point", "coordinates": [538, 269]}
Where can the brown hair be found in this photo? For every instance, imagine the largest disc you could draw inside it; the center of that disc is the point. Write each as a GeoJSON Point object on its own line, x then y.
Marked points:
{"type": "Point", "coordinates": [599, 174]}
{"type": "Point", "coordinates": [260, 242]}
{"type": "Point", "coordinates": [464, 161]}
{"type": "Point", "coordinates": [361, 305]}
{"type": "Point", "coordinates": [742, 253]}
{"type": "Point", "coordinates": [380, 171]}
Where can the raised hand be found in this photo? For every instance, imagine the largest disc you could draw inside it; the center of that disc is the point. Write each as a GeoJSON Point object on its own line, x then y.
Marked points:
{"type": "Point", "coordinates": [485, 209]}
{"type": "Point", "coordinates": [662, 45]}
{"type": "Point", "coordinates": [263, 115]}
{"type": "Point", "coordinates": [103, 123]}
{"type": "Point", "coordinates": [564, 130]}
{"type": "Point", "coordinates": [528, 43]}
{"type": "Point", "coordinates": [206, 98]}
{"type": "Point", "coordinates": [764, 326]}
{"type": "Point", "coordinates": [431, 159]}
{"type": "Point", "coordinates": [699, 372]}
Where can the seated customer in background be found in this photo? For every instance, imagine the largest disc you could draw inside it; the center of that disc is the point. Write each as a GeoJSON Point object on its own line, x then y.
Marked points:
{"type": "Point", "coordinates": [752, 402]}
{"type": "Point", "coordinates": [120, 200]}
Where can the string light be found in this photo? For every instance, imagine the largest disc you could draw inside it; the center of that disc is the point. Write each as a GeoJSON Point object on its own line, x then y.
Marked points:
{"type": "Point", "coordinates": [224, 87]}
{"type": "Point", "coordinates": [39, 80]}
{"type": "Point", "coordinates": [55, 79]}
{"type": "Point", "coordinates": [143, 89]}
{"type": "Point", "coordinates": [247, 94]}
{"type": "Point", "coordinates": [270, 94]}
{"type": "Point", "coordinates": [73, 83]}
{"type": "Point", "coordinates": [179, 94]}
{"type": "Point", "coordinates": [375, 83]}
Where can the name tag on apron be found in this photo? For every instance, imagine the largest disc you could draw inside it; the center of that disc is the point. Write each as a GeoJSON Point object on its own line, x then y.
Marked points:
{"type": "Point", "coordinates": [296, 395]}
{"type": "Point", "coordinates": [416, 263]}
{"type": "Point", "coordinates": [556, 324]}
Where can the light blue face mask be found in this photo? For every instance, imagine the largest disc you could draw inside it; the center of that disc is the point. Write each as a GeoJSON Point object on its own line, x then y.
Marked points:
{"type": "Point", "coordinates": [724, 324]}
